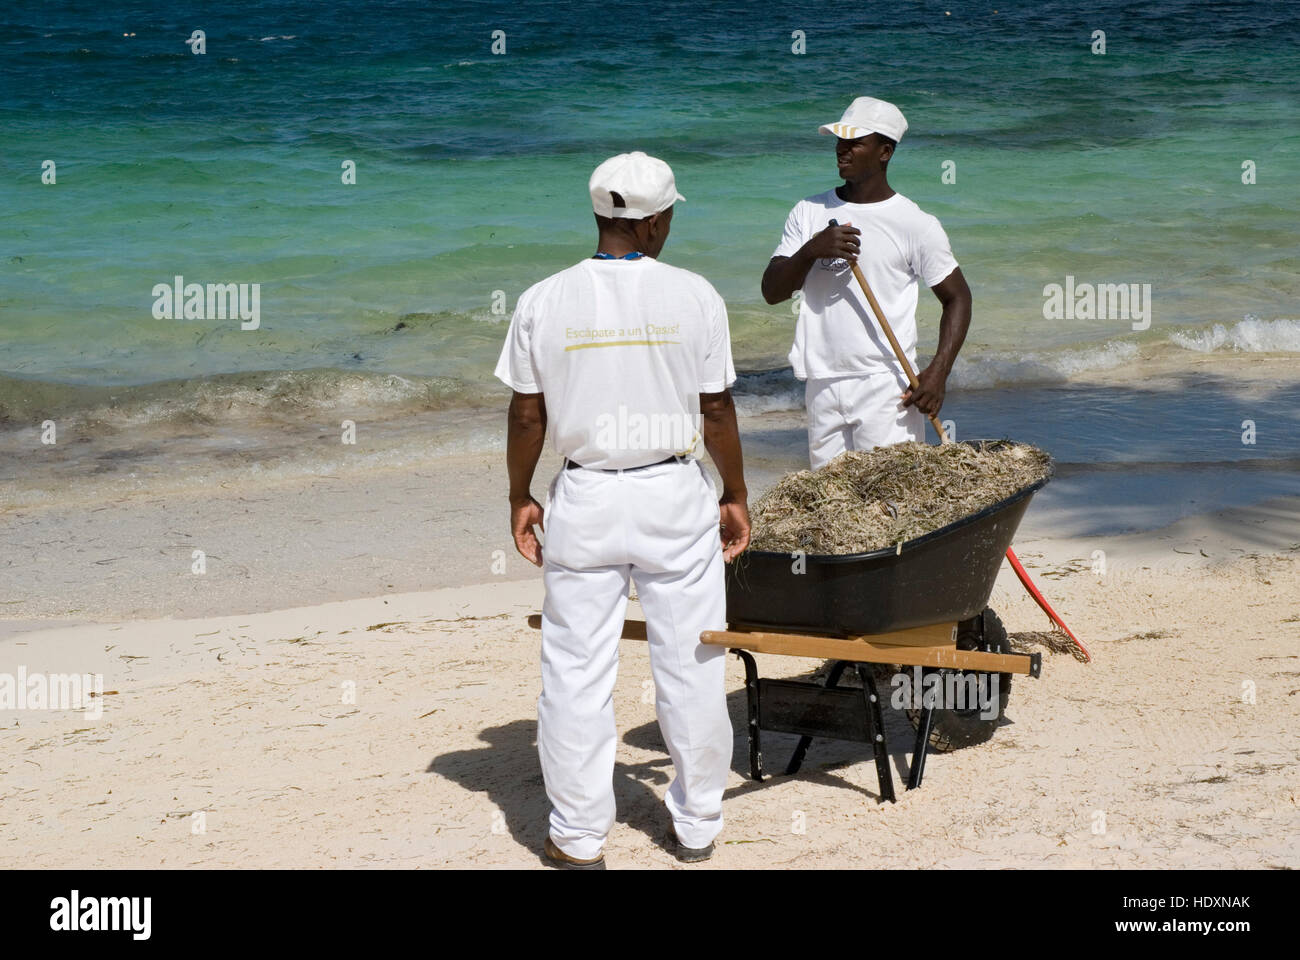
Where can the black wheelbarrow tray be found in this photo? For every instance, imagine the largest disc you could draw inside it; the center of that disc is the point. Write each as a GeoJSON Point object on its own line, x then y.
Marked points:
{"type": "Point", "coordinates": [946, 575]}
{"type": "Point", "coordinates": [921, 605]}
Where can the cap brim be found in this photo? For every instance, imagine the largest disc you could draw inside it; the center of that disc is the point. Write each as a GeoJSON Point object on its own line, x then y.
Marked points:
{"type": "Point", "coordinates": [679, 199]}
{"type": "Point", "coordinates": [844, 131]}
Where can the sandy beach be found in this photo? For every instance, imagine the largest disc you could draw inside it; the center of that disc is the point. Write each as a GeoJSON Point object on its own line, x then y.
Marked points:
{"type": "Point", "coordinates": [397, 727]}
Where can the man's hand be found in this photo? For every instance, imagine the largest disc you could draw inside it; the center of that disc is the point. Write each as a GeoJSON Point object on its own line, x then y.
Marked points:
{"type": "Point", "coordinates": [932, 384]}
{"type": "Point", "coordinates": [840, 241]}
{"type": "Point", "coordinates": [523, 515]}
{"type": "Point", "coordinates": [722, 440]}
{"type": "Point", "coordinates": [785, 275]}
{"type": "Point", "coordinates": [733, 516]}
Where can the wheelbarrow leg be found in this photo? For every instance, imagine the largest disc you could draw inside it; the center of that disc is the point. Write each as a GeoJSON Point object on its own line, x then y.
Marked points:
{"type": "Point", "coordinates": [751, 698]}
{"type": "Point", "coordinates": [876, 730]}
{"type": "Point", "coordinates": [919, 751]}
{"type": "Point", "coordinates": [801, 751]}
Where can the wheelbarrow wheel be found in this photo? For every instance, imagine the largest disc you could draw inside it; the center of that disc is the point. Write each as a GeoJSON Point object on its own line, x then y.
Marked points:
{"type": "Point", "coordinates": [951, 729]}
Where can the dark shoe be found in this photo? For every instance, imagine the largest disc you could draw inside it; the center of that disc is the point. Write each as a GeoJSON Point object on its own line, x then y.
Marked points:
{"type": "Point", "coordinates": [565, 862]}
{"type": "Point", "coordinates": [683, 853]}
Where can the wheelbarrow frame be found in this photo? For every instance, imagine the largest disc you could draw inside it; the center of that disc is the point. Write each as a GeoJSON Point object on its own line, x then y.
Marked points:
{"type": "Point", "coordinates": [829, 711]}
{"type": "Point", "coordinates": [791, 706]}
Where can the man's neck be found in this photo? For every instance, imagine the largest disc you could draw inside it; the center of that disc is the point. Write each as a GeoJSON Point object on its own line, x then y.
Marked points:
{"type": "Point", "coordinates": [872, 190]}
{"type": "Point", "coordinates": [615, 245]}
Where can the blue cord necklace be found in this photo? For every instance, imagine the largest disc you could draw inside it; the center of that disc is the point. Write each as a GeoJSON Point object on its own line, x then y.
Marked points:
{"type": "Point", "coordinates": [637, 255]}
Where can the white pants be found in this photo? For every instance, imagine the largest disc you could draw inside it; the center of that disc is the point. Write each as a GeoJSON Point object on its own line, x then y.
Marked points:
{"type": "Point", "coordinates": [858, 413]}
{"type": "Point", "coordinates": [659, 527]}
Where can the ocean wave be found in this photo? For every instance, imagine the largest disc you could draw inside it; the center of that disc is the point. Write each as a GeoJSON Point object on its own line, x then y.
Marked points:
{"type": "Point", "coordinates": [236, 396]}
{"type": "Point", "coordinates": [767, 391]}
{"type": "Point", "coordinates": [1039, 366]}
{"type": "Point", "coordinates": [1251, 335]}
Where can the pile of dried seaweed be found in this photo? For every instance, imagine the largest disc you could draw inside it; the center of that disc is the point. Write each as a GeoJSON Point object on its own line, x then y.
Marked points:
{"type": "Point", "coordinates": [863, 501]}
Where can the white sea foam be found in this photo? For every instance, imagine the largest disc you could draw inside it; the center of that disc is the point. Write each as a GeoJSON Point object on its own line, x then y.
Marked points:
{"type": "Point", "coordinates": [1039, 366]}
{"type": "Point", "coordinates": [773, 390]}
{"type": "Point", "coordinates": [1251, 335]}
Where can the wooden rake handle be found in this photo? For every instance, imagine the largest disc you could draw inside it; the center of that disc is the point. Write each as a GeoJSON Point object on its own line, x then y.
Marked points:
{"type": "Point", "coordinates": [893, 340]}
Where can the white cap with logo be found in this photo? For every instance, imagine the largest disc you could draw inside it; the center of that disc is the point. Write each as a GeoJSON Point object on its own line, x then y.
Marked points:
{"type": "Point", "coordinates": [868, 115]}
{"type": "Point", "coordinates": [632, 186]}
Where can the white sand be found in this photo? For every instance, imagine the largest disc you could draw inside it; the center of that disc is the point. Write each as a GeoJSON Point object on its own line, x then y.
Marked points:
{"type": "Point", "coordinates": [434, 762]}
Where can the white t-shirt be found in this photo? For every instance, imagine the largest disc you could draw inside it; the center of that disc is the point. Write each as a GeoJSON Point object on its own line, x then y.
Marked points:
{"type": "Point", "coordinates": [837, 333]}
{"type": "Point", "coordinates": [622, 350]}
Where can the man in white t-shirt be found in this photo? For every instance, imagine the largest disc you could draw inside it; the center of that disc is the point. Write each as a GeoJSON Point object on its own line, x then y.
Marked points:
{"type": "Point", "coordinates": [626, 363]}
{"type": "Point", "coordinates": [856, 394]}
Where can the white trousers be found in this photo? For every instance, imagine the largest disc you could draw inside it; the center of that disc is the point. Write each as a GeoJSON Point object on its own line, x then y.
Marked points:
{"type": "Point", "coordinates": [657, 526]}
{"type": "Point", "coordinates": [858, 413]}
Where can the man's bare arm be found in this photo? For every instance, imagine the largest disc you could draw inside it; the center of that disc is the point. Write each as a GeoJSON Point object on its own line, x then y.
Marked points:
{"type": "Point", "coordinates": [785, 275]}
{"type": "Point", "coordinates": [525, 438]}
{"type": "Point", "coordinates": [954, 294]}
{"type": "Point", "coordinates": [722, 440]}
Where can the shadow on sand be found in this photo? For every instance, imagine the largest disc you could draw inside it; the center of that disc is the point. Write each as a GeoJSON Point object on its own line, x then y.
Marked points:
{"type": "Point", "coordinates": [507, 770]}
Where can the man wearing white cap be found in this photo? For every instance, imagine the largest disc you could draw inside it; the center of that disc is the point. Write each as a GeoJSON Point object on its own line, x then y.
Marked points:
{"type": "Point", "coordinates": [625, 362]}
{"type": "Point", "coordinates": [856, 395]}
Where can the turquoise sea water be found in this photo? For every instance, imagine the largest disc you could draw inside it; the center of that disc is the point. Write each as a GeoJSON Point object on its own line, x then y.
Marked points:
{"type": "Point", "coordinates": [471, 173]}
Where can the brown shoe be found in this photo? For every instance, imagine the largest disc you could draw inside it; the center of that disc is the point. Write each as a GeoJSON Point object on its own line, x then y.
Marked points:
{"type": "Point", "coordinates": [562, 860]}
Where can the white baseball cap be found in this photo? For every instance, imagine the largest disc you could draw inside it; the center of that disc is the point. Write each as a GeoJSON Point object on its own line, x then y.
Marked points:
{"type": "Point", "coordinates": [632, 186]}
{"type": "Point", "coordinates": [868, 115]}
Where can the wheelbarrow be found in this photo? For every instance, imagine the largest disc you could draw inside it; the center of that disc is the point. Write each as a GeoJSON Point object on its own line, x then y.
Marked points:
{"type": "Point", "coordinates": [920, 604]}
